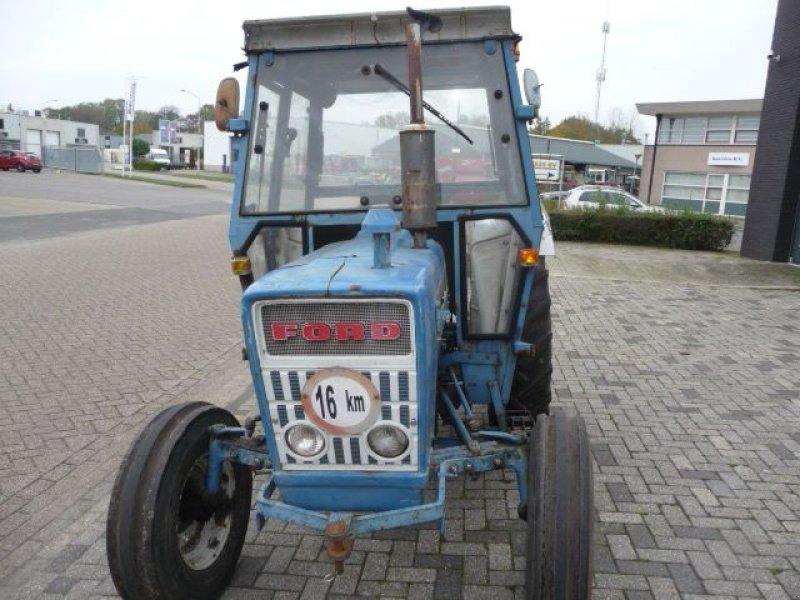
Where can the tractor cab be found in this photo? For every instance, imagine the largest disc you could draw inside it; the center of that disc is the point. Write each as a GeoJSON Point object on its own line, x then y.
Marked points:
{"type": "Point", "coordinates": [386, 231]}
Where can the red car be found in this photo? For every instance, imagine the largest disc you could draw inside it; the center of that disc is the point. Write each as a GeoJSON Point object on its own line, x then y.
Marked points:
{"type": "Point", "coordinates": [21, 161]}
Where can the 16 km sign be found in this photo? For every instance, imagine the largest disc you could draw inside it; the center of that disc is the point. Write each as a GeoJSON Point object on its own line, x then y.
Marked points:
{"type": "Point", "coordinates": [340, 401]}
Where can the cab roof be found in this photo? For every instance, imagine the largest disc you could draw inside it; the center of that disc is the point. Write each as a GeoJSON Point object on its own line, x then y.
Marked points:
{"type": "Point", "coordinates": [374, 29]}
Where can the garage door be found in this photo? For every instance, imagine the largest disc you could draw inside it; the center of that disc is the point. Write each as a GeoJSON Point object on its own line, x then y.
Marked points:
{"type": "Point", "coordinates": [52, 138]}
{"type": "Point", "coordinates": [33, 141]}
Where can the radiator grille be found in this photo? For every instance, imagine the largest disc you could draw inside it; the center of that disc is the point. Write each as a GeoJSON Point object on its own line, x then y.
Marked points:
{"type": "Point", "coordinates": [331, 313]}
{"type": "Point", "coordinates": [398, 405]}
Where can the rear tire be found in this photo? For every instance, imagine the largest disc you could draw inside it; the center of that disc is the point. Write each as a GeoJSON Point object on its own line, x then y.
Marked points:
{"type": "Point", "coordinates": [560, 510]}
{"type": "Point", "coordinates": [20, 168]}
{"type": "Point", "coordinates": [165, 536]}
{"type": "Point", "coordinates": [530, 389]}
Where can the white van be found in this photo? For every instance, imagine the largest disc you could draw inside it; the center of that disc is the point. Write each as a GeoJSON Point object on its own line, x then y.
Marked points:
{"type": "Point", "coordinates": [160, 156]}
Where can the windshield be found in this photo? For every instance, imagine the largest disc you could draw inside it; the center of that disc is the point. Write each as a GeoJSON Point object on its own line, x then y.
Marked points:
{"type": "Point", "coordinates": [324, 130]}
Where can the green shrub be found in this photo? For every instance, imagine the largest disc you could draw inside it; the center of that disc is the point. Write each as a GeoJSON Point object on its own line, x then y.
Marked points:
{"type": "Point", "coordinates": [147, 165]}
{"type": "Point", "coordinates": [140, 147]}
{"type": "Point", "coordinates": [684, 230]}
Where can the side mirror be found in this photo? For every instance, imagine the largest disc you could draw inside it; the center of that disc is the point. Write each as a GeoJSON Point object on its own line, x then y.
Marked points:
{"type": "Point", "coordinates": [227, 104]}
{"type": "Point", "coordinates": [530, 81]}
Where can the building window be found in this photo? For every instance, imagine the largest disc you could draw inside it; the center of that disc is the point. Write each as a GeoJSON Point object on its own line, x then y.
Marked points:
{"type": "Point", "coordinates": [671, 131]}
{"type": "Point", "coordinates": [719, 130]}
{"type": "Point", "coordinates": [81, 132]}
{"type": "Point", "coordinates": [746, 130]}
{"type": "Point", "coordinates": [741, 129]}
{"type": "Point", "coordinates": [2, 124]}
{"type": "Point", "coordinates": [710, 193]}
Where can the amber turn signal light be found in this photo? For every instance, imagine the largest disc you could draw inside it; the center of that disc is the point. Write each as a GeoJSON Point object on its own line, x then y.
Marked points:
{"type": "Point", "coordinates": [240, 265]}
{"type": "Point", "coordinates": [528, 257]}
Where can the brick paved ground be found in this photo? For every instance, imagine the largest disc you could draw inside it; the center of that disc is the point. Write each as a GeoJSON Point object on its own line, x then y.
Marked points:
{"type": "Point", "coordinates": [690, 393]}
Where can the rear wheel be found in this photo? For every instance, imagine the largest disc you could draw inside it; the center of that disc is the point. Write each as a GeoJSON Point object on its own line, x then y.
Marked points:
{"type": "Point", "coordinates": [20, 168]}
{"type": "Point", "coordinates": [37, 170]}
{"type": "Point", "coordinates": [531, 387]}
{"type": "Point", "coordinates": [560, 509]}
{"type": "Point", "coordinates": [166, 536]}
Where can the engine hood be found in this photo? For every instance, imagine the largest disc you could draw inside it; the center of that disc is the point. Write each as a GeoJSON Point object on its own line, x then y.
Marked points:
{"type": "Point", "coordinates": [345, 269]}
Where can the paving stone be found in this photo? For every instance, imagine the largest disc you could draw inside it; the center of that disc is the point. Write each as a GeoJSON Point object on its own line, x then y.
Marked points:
{"type": "Point", "coordinates": [685, 579]}
{"type": "Point", "coordinates": [621, 547]}
{"type": "Point", "coordinates": [500, 557]}
{"type": "Point", "coordinates": [411, 574]}
{"type": "Point", "coordinates": [487, 592]}
{"type": "Point", "coordinates": [476, 570]}
{"type": "Point", "coordinates": [375, 566]}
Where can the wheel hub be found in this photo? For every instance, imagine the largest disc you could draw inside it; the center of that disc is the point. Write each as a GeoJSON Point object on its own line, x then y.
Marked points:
{"type": "Point", "coordinates": [204, 522]}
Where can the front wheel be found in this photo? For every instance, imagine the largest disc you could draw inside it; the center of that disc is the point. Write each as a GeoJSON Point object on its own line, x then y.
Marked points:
{"type": "Point", "coordinates": [166, 536]}
{"type": "Point", "coordinates": [560, 509]}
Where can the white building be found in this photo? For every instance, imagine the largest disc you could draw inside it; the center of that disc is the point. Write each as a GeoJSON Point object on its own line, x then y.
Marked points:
{"type": "Point", "coordinates": [180, 149]}
{"type": "Point", "coordinates": [21, 131]}
{"type": "Point", "coordinates": [216, 148]}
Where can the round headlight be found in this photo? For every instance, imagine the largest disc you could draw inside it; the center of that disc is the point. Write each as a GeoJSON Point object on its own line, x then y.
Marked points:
{"type": "Point", "coordinates": [387, 441]}
{"type": "Point", "coordinates": [305, 440]}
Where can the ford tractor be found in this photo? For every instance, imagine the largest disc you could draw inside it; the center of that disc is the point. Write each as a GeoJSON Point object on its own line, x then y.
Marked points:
{"type": "Point", "coordinates": [387, 234]}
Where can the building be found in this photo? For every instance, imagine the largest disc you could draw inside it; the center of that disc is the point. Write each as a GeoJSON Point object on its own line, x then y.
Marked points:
{"type": "Point", "coordinates": [181, 147]}
{"type": "Point", "coordinates": [703, 155]}
{"type": "Point", "coordinates": [582, 162]}
{"type": "Point", "coordinates": [27, 133]}
{"type": "Point", "coordinates": [217, 153]}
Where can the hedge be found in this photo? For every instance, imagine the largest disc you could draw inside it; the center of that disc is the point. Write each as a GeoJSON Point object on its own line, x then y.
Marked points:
{"type": "Point", "coordinates": [147, 165]}
{"type": "Point", "coordinates": [684, 230]}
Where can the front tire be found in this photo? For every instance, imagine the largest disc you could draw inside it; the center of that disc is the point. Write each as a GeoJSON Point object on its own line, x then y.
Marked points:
{"type": "Point", "coordinates": [560, 510]}
{"type": "Point", "coordinates": [166, 537]}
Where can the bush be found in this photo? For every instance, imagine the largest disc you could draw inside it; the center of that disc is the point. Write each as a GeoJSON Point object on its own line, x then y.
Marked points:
{"type": "Point", "coordinates": [147, 165]}
{"type": "Point", "coordinates": [684, 230]}
{"type": "Point", "coordinates": [140, 147]}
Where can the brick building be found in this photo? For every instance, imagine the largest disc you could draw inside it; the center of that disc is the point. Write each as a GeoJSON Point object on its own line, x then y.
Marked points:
{"type": "Point", "coordinates": [703, 155]}
{"type": "Point", "coordinates": [772, 229]}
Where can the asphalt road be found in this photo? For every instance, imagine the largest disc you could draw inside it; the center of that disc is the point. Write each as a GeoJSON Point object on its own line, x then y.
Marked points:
{"type": "Point", "coordinates": [52, 204]}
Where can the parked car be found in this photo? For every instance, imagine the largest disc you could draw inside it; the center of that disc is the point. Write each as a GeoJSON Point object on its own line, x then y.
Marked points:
{"type": "Point", "coordinates": [595, 196]}
{"type": "Point", "coordinates": [21, 161]}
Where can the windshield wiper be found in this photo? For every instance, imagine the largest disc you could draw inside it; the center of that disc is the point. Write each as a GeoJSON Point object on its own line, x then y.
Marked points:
{"type": "Point", "coordinates": [380, 70]}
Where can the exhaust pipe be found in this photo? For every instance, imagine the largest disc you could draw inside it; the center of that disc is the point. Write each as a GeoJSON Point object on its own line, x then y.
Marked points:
{"type": "Point", "coordinates": [417, 151]}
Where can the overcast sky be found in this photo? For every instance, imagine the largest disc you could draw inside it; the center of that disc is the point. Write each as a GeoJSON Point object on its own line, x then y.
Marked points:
{"type": "Point", "coordinates": [57, 53]}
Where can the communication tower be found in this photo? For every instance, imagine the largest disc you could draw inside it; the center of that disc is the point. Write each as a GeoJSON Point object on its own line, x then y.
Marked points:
{"type": "Point", "coordinates": [601, 72]}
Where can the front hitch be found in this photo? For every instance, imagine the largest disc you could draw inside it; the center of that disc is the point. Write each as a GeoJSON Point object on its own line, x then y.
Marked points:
{"type": "Point", "coordinates": [339, 540]}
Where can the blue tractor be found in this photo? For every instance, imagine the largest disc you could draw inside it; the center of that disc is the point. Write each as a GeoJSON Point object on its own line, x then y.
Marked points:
{"type": "Point", "coordinates": [386, 231]}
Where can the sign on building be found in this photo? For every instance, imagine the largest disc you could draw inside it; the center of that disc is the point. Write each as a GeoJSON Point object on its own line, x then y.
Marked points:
{"type": "Point", "coordinates": [729, 159]}
{"type": "Point", "coordinates": [547, 169]}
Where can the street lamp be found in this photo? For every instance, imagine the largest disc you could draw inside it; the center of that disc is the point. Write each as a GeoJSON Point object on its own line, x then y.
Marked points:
{"type": "Point", "coordinates": [199, 106]}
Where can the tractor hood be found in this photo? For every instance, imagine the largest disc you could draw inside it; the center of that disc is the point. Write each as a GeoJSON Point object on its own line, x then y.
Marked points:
{"type": "Point", "coordinates": [346, 269]}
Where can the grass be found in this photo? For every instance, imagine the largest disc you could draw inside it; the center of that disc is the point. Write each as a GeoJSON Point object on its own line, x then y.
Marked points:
{"type": "Point", "coordinates": [159, 181]}
{"type": "Point", "coordinates": [225, 177]}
